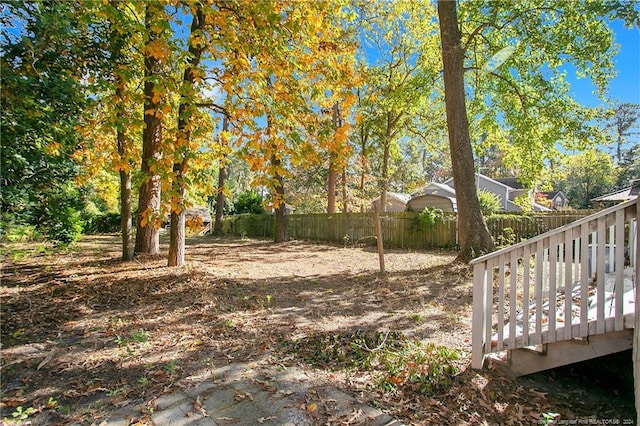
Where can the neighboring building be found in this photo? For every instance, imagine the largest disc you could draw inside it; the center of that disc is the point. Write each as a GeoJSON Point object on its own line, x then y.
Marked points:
{"type": "Point", "coordinates": [288, 209]}
{"type": "Point", "coordinates": [557, 199]}
{"type": "Point", "coordinates": [396, 202]}
{"type": "Point", "coordinates": [507, 190]}
{"type": "Point", "coordinates": [194, 213]}
{"type": "Point", "coordinates": [434, 195]}
{"type": "Point", "coordinates": [421, 202]}
{"type": "Point", "coordinates": [617, 197]}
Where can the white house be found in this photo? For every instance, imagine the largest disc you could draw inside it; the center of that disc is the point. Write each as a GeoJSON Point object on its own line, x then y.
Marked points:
{"type": "Point", "coordinates": [500, 187]}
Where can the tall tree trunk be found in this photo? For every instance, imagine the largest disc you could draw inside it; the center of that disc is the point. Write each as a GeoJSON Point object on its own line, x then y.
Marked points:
{"type": "Point", "coordinates": [280, 233]}
{"type": "Point", "coordinates": [331, 187]}
{"type": "Point", "coordinates": [222, 176]}
{"type": "Point", "coordinates": [385, 162]}
{"type": "Point", "coordinates": [363, 171]}
{"type": "Point", "coordinates": [344, 191]}
{"type": "Point", "coordinates": [473, 234]}
{"type": "Point", "coordinates": [332, 175]}
{"type": "Point", "coordinates": [117, 55]}
{"type": "Point", "coordinates": [148, 235]}
{"type": "Point", "coordinates": [185, 112]}
{"type": "Point", "coordinates": [125, 181]}
{"type": "Point", "coordinates": [177, 231]}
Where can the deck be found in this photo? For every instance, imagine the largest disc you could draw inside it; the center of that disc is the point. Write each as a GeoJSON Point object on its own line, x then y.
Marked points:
{"type": "Point", "coordinates": [561, 297]}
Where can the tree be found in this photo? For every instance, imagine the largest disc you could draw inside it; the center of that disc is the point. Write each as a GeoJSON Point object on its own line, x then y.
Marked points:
{"type": "Point", "coordinates": [401, 33]}
{"type": "Point", "coordinates": [156, 53]}
{"type": "Point", "coordinates": [222, 177]}
{"type": "Point", "coordinates": [587, 175]}
{"type": "Point", "coordinates": [43, 99]}
{"type": "Point", "coordinates": [182, 149]}
{"type": "Point", "coordinates": [625, 118]}
{"type": "Point", "coordinates": [280, 81]}
{"type": "Point", "coordinates": [514, 56]}
{"type": "Point", "coordinates": [122, 68]}
{"type": "Point", "coordinates": [473, 235]}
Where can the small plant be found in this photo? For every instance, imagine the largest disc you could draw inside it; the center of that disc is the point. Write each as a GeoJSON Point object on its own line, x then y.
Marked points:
{"type": "Point", "coordinates": [51, 403]}
{"type": "Point", "coordinates": [428, 218]}
{"type": "Point", "coordinates": [416, 317]}
{"type": "Point", "coordinates": [346, 239]}
{"type": "Point", "coordinates": [395, 361]}
{"type": "Point", "coordinates": [144, 381]}
{"type": "Point", "coordinates": [118, 391]}
{"type": "Point", "coordinates": [425, 368]}
{"type": "Point", "coordinates": [171, 366]}
{"type": "Point", "coordinates": [21, 414]}
{"type": "Point", "coordinates": [507, 238]}
{"type": "Point", "coordinates": [140, 336]}
{"type": "Point", "coordinates": [549, 418]}
{"type": "Point", "coordinates": [489, 202]}
{"type": "Point", "coordinates": [268, 298]}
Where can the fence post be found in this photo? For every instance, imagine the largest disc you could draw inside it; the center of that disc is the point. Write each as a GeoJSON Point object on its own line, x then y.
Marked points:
{"type": "Point", "coordinates": [480, 277]}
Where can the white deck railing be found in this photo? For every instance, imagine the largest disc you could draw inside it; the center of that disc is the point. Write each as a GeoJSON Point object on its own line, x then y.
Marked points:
{"type": "Point", "coordinates": [569, 283]}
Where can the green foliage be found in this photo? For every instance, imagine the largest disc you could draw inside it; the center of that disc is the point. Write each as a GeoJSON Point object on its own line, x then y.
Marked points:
{"type": "Point", "coordinates": [587, 175]}
{"type": "Point", "coordinates": [395, 361]}
{"type": "Point", "coordinates": [248, 202]}
{"type": "Point", "coordinates": [42, 102]}
{"type": "Point", "coordinates": [102, 223]}
{"type": "Point", "coordinates": [428, 218]}
{"type": "Point", "coordinates": [489, 202]}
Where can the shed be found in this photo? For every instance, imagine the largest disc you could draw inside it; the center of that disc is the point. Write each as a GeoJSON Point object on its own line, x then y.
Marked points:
{"type": "Point", "coordinates": [421, 202]}
{"type": "Point", "coordinates": [396, 202]}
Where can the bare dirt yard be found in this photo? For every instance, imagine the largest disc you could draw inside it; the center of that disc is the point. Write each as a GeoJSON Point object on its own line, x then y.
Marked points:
{"type": "Point", "coordinates": [84, 333]}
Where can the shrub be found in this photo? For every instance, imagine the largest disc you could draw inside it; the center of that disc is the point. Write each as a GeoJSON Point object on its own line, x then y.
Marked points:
{"type": "Point", "coordinates": [248, 202]}
{"type": "Point", "coordinates": [428, 218]}
{"type": "Point", "coordinates": [489, 202]}
{"type": "Point", "coordinates": [102, 223]}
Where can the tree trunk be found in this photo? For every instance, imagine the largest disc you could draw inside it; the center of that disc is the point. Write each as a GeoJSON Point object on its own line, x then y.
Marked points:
{"type": "Point", "coordinates": [332, 176]}
{"type": "Point", "coordinates": [363, 172]}
{"type": "Point", "coordinates": [280, 207]}
{"type": "Point", "coordinates": [473, 234]}
{"type": "Point", "coordinates": [185, 111]}
{"type": "Point", "coordinates": [125, 216]}
{"type": "Point", "coordinates": [344, 192]}
{"type": "Point", "coordinates": [117, 52]}
{"type": "Point", "coordinates": [222, 176]}
{"type": "Point", "coordinates": [177, 231]}
{"type": "Point", "coordinates": [385, 163]}
{"type": "Point", "coordinates": [331, 188]}
{"type": "Point", "coordinates": [148, 235]}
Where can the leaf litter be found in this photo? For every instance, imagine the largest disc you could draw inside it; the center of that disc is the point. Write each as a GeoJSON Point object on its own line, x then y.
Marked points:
{"type": "Point", "coordinates": [84, 333]}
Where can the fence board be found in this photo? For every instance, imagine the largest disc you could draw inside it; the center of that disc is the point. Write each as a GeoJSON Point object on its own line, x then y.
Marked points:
{"type": "Point", "coordinates": [398, 229]}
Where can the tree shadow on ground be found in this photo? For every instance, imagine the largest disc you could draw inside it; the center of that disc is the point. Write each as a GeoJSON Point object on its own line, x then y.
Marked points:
{"type": "Point", "coordinates": [96, 333]}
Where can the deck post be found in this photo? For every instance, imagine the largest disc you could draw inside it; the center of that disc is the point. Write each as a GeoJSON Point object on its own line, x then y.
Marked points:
{"type": "Point", "coordinates": [478, 322]}
{"type": "Point", "coordinates": [636, 331]}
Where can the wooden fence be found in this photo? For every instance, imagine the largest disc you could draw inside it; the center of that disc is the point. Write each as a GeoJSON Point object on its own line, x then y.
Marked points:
{"type": "Point", "coordinates": [398, 229]}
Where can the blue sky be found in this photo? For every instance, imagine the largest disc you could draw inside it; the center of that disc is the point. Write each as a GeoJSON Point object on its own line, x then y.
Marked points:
{"type": "Point", "coordinates": [625, 87]}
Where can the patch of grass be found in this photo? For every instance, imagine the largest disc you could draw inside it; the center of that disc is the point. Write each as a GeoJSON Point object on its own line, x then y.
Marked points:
{"type": "Point", "coordinates": [395, 361]}
{"type": "Point", "coordinates": [416, 317]}
{"type": "Point", "coordinates": [129, 342]}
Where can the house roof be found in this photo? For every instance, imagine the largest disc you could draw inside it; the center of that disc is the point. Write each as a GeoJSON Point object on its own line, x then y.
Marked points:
{"type": "Point", "coordinates": [622, 195]}
{"type": "Point", "coordinates": [404, 198]}
{"type": "Point", "coordinates": [550, 194]}
{"type": "Point", "coordinates": [479, 176]}
{"type": "Point", "coordinates": [434, 188]}
{"type": "Point", "coordinates": [511, 182]}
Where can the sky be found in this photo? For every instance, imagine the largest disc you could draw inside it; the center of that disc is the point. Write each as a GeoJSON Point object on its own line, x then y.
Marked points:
{"type": "Point", "coordinates": [625, 87]}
